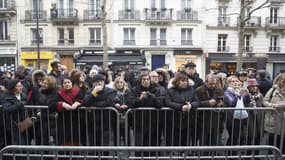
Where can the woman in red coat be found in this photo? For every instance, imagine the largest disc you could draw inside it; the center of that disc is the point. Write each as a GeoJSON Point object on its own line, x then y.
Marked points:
{"type": "Point", "coordinates": [69, 98]}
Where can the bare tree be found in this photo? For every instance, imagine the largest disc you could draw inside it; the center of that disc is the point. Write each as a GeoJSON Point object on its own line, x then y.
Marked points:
{"type": "Point", "coordinates": [242, 19]}
{"type": "Point", "coordinates": [104, 30]}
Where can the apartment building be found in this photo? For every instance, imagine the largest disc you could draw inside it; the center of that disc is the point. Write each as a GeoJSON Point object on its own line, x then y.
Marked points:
{"type": "Point", "coordinates": [263, 38]}
{"type": "Point", "coordinates": [150, 33]}
{"type": "Point", "coordinates": [8, 35]}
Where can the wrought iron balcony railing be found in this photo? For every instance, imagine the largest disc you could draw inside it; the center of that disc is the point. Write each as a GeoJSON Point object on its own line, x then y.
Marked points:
{"type": "Point", "coordinates": [129, 14]}
{"type": "Point", "coordinates": [93, 15]}
{"type": "Point", "coordinates": [274, 49]}
{"type": "Point", "coordinates": [158, 14]}
{"type": "Point", "coordinates": [223, 21]}
{"type": "Point", "coordinates": [129, 42]}
{"type": "Point", "coordinates": [32, 15]}
{"type": "Point", "coordinates": [187, 15]}
{"type": "Point", "coordinates": [275, 22]}
{"type": "Point", "coordinates": [186, 42]}
{"type": "Point", "coordinates": [64, 14]}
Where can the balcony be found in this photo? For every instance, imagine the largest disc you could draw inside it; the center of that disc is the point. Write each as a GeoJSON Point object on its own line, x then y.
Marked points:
{"type": "Point", "coordinates": [155, 16]}
{"type": "Point", "coordinates": [224, 1]}
{"type": "Point", "coordinates": [62, 42]}
{"type": "Point", "coordinates": [274, 49]}
{"type": "Point", "coordinates": [275, 23]}
{"type": "Point", "coordinates": [31, 15]}
{"type": "Point", "coordinates": [64, 16]}
{"type": "Point", "coordinates": [92, 15]}
{"type": "Point", "coordinates": [187, 14]}
{"type": "Point", "coordinates": [5, 37]}
{"type": "Point", "coordinates": [129, 14]}
{"type": "Point", "coordinates": [253, 22]}
{"type": "Point", "coordinates": [223, 49]}
{"type": "Point", "coordinates": [158, 42]}
{"type": "Point", "coordinates": [186, 42]}
{"type": "Point", "coordinates": [8, 8]}
{"type": "Point", "coordinates": [34, 42]}
{"type": "Point", "coordinates": [276, 2]}
{"type": "Point", "coordinates": [224, 21]}
{"type": "Point", "coordinates": [95, 42]}
{"type": "Point", "coordinates": [129, 42]}
{"type": "Point", "coordinates": [248, 49]}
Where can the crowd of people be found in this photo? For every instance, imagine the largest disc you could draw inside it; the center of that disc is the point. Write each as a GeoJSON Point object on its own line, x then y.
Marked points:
{"type": "Point", "coordinates": [184, 92]}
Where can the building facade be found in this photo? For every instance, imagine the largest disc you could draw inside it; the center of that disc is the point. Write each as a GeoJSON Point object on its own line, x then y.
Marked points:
{"type": "Point", "coordinates": [151, 33]}
{"type": "Point", "coordinates": [8, 35]}
{"type": "Point", "coordinates": [263, 35]}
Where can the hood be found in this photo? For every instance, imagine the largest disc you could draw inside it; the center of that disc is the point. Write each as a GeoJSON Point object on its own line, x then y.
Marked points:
{"type": "Point", "coordinates": [35, 73]}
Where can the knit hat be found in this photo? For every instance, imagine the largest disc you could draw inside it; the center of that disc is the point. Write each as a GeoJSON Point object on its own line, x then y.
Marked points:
{"type": "Point", "coordinates": [252, 82]}
{"type": "Point", "coordinates": [190, 65]}
{"type": "Point", "coordinates": [12, 84]}
{"type": "Point", "coordinates": [98, 77]}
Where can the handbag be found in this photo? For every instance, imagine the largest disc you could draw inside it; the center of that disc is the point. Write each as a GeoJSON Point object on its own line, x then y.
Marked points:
{"type": "Point", "coordinates": [25, 124]}
{"type": "Point", "coordinates": [240, 113]}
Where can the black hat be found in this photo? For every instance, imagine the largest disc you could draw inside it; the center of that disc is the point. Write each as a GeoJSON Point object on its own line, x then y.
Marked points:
{"type": "Point", "coordinates": [190, 65]}
{"type": "Point", "coordinates": [11, 84]}
{"type": "Point", "coordinates": [98, 77]}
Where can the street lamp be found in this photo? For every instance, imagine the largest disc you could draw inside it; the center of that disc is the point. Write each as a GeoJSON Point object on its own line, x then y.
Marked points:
{"type": "Point", "coordinates": [38, 34]}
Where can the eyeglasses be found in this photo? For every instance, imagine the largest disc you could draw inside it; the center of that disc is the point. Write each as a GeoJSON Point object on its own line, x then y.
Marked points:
{"type": "Point", "coordinates": [145, 79]}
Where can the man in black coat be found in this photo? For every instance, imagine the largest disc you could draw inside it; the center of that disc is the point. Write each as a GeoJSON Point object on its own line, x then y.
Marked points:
{"type": "Point", "coordinates": [146, 123]}
{"type": "Point", "coordinates": [100, 122]}
{"type": "Point", "coordinates": [190, 69]}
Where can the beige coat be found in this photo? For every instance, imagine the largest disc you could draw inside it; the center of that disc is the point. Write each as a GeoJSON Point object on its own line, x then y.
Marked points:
{"type": "Point", "coordinates": [273, 118]}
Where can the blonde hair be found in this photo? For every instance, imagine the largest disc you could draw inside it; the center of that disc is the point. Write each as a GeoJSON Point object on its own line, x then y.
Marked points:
{"type": "Point", "coordinates": [122, 79]}
{"type": "Point", "coordinates": [279, 80]}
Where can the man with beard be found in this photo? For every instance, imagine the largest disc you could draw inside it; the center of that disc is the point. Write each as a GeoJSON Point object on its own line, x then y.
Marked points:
{"type": "Point", "coordinates": [210, 122]}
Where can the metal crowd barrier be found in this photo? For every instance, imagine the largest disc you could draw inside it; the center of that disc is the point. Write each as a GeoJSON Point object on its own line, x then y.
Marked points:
{"type": "Point", "coordinates": [95, 126]}
{"type": "Point", "coordinates": [135, 152]}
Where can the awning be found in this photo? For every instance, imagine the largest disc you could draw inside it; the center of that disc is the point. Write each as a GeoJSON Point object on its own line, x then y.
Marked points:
{"type": "Point", "coordinates": [114, 58]}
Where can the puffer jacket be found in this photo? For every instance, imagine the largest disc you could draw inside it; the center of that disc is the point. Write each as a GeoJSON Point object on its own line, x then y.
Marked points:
{"type": "Point", "coordinates": [273, 119]}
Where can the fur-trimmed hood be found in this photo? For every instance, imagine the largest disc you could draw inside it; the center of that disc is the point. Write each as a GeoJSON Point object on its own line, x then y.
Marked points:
{"type": "Point", "coordinates": [35, 73]}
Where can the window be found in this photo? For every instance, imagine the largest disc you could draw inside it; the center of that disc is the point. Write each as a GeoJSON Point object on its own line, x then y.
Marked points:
{"type": "Point", "coordinates": [37, 5]}
{"type": "Point", "coordinates": [129, 36]}
{"type": "Point", "coordinates": [247, 46]}
{"type": "Point", "coordinates": [161, 37]}
{"type": "Point", "coordinates": [34, 36]}
{"type": "Point", "coordinates": [274, 43]}
{"type": "Point", "coordinates": [223, 19]}
{"type": "Point", "coordinates": [3, 4]}
{"type": "Point", "coordinates": [3, 30]}
{"type": "Point", "coordinates": [273, 15]}
{"type": "Point", "coordinates": [67, 34]}
{"type": "Point", "coordinates": [186, 36]}
{"type": "Point", "coordinates": [95, 36]}
{"type": "Point", "coordinates": [70, 32]}
{"type": "Point", "coordinates": [186, 4]}
{"type": "Point", "coordinates": [60, 35]}
{"type": "Point", "coordinates": [222, 40]}
{"type": "Point", "coordinates": [153, 36]}
{"type": "Point", "coordinates": [129, 4]}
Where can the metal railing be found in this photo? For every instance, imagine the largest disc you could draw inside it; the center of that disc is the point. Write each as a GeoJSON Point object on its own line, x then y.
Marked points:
{"type": "Point", "coordinates": [64, 14]}
{"type": "Point", "coordinates": [32, 15]}
{"type": "Point", "coordinates": [136, 152]}
{"type": "Point", "coordinates": [92, 15]}
{"type": "Point", "coordinates": [275, 22]}
{"type": "Point", "coordinates": [187, 15]}
{"type": "Point", "coordinates": [223, 21]}
{"type": "Point", "coordinates": [129, 14]}
{"type": "Point", "coordinates": [158, 14]}
{"type": "Point", "coordinates": [92, 126]}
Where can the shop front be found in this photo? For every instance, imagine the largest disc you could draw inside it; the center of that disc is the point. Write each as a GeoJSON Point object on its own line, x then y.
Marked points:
{"type": "Point", "coordinates": [8, 58]}
{"type": "Point", "coordinates": [227, 62]}
{"type": "Point", "coordinates": [29, 59]}
{"type": "Point", "coordinates": [131, 61]}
